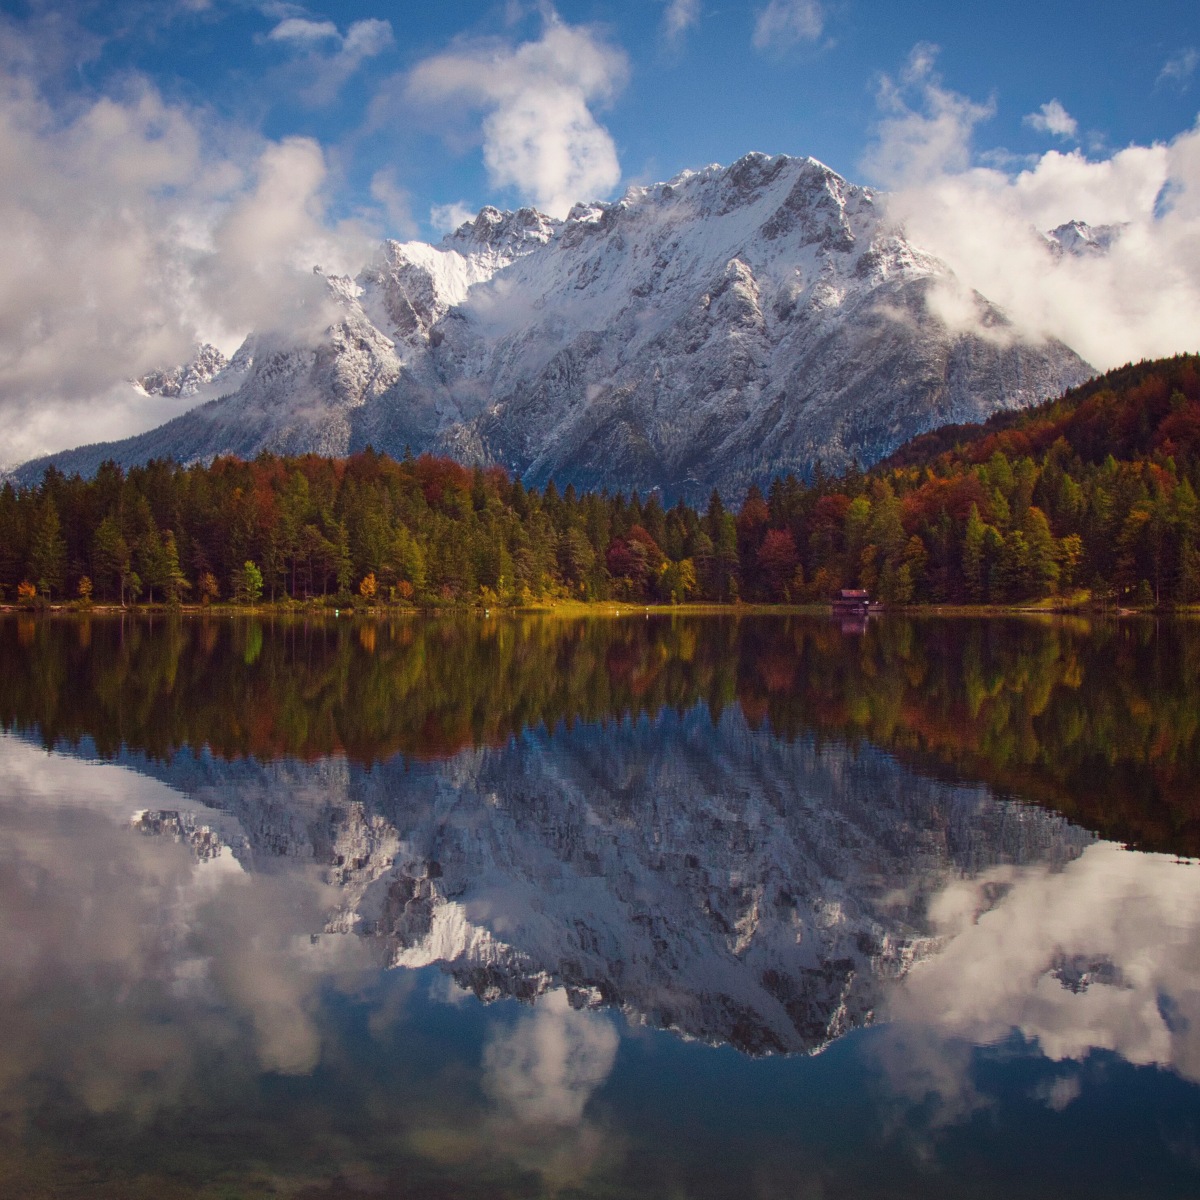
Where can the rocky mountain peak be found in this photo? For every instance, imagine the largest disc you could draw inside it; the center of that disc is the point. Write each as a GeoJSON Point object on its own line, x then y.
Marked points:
{"type": "Point", "coordinates": [186, 379]}
{"type": "Point", "coordinates": [729, 324]}
{"type": "Point", "coordinates": [511, 233]}
{"type": "Point", "coordinates": [1078, 238]}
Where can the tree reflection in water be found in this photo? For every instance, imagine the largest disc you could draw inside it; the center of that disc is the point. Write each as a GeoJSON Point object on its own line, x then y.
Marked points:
{"type": "Point", "coordinates": [1099, 720]}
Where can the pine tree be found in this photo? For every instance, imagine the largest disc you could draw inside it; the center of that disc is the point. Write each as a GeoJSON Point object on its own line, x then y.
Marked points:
{"type": "Point", "coordinates": [173, 582]}
{"type": "Point", "coordinates": [1042, 551]}
{"type": "Point", "coordinates": [48, 552]}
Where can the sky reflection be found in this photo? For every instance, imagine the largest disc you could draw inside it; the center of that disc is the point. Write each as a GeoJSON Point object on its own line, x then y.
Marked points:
{"type": "Point", "coordinates": [670, 953]}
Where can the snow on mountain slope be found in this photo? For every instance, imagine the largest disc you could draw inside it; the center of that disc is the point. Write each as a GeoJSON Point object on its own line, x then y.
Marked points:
{"type": "Point", "coordinates": [713, 330]}
{"type": "Point", "coordinates": [1079, 239]}
{"type": "Point", "coordinates": [701, 876]}
{"type": "Point", "coordinates": [188, 378]}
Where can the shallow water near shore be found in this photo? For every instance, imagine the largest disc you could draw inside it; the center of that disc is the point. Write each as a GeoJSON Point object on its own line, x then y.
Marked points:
{"type": "Point", "coordinates": [652, 906]}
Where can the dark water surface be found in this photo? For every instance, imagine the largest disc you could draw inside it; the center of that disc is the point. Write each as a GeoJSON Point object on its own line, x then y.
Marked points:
{"type": "Point", "coordinates": [666, 907]}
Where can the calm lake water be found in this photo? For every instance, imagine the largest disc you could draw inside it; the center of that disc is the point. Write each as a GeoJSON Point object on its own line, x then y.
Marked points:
{"type": "Point", "coordinates": [630, 907]}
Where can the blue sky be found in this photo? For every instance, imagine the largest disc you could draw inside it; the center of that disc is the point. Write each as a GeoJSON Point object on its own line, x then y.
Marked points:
{"type": "Point", "coordinates": [694, 88]}
{"type": "Point", "coordinates": [171, 170]}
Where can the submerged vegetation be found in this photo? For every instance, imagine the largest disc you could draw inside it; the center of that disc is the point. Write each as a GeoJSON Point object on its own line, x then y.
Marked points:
{"type": "Point", "coordinates": [1096, 491]}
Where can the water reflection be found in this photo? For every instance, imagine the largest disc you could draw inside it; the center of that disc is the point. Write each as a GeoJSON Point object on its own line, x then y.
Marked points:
{"type": "Point", "coordinates": [267, 966]}
{"type": "Point", "coordinates": [132, 967]}
{"type": "Point", "coordinates": [700, 875]}
{"type": "Point", "coordinates": [1100, 721]}
{"type": "Point", "coordinates": [1102, 954]}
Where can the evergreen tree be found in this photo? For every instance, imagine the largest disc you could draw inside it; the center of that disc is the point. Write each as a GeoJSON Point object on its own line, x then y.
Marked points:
{"type": "Point", "coordinates": [173, 581]}
{"type": "Point", "coordinates": [48, 551]}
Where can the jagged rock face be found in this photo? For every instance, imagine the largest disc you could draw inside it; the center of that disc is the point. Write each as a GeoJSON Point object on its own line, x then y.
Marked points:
{"type": "Point", "coordinates": [187, 379]}
{"type": "Point", "coordinates": [715, 330]}
{"type": "Point", "coordinates": [705, 878]}
{"type": "Point", "coordinates": [1078, 239]}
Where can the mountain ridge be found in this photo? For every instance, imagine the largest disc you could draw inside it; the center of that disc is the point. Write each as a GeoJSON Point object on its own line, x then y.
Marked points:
{"type": "Point", "coordinates": [730, 324]}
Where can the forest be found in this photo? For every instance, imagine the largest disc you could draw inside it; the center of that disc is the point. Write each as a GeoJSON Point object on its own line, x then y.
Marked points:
{"type": "Point", "coordinates": [1093, 494]}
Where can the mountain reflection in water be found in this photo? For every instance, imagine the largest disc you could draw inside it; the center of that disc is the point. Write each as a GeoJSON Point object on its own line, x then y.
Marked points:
{"type": "Point", "coordinates": [754, 834]}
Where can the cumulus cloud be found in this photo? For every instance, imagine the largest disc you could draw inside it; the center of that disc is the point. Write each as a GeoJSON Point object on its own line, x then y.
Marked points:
{"type": "Point", "coordinates": [680, 16]}
{"type": "Point", "coordinates": [538, 1075]}
{"type": "Point", "coordinates": [131, 229]}
{"type": "Point", "coordinates": [1140, 299]}
{"type": "Point", "coordinates": [1054, 119]}
{"type": "Point", "coordinates": [539, 134]}
{"type": "Point", "coordinates": [786, 23]}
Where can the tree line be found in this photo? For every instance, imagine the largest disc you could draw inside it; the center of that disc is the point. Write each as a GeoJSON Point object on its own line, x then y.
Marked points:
{"type": "Point", "coordinates": [1096, 490]}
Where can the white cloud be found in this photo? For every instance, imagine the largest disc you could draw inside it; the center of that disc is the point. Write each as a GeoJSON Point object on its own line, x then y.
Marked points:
{"type": "Point", "coordinates": [365, 38]}
{"type": "Point", "coordinates": [539, 134]}
{"type": "Point", "coordinates": [1141, 299]}
{"type": "Point", "coordinates": [258, 268]}
{"type": "Point", "coordinates": [1180, 67]}
{"type": "Point", "coordinates": [446, 218]}
{"type": "Point", "coordinates": [915, 143]}
{"type": "Point", "coordinates": [680, 16]}
{"type": "Point", "coordinates": [130, 229]}
{"type": "Point", "coordinates": [326, 58]}
{"type": "Point", "coordinates": [299, 29]}
{"type": "Point", "coordinates": [395, 201]}
{"type": "Point", "coordinates": [545, 1069]}
{"type": "Point", "coordinates": [237, 961]}
{"type": "Point", "coordinates": [785, 23]}
{"type": "Point", "coordinates": [1075, 959]}
{"type": "Point", "coordinates": [1054, 119]}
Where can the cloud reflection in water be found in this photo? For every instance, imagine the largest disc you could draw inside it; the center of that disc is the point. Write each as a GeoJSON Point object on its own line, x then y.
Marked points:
{"type": "Point", "coordinates": [129, 963]}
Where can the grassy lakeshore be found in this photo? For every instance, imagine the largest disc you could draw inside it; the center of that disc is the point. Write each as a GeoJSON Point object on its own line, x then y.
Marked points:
{"type": "Point", "coordinates": [1077, 603]}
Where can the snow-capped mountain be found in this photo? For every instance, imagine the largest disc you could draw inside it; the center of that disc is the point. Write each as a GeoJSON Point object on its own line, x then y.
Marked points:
{"type": "Point", "coordinates": [714, 330]}
{"type": "Point", "coordinates": [188, 378]}
{"type": "Point", "coordinates": [1079, 239]}
{"type": "Point", "coordinates": [699, 875]}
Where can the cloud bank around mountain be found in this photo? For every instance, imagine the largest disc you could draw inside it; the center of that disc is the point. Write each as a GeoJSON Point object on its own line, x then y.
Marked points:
{"type": "Point", "coordinates": [131, 227]}
{"type": "Point", "coordinates": [1072, 958]}
{"type": "Point", "coordinates": [1139, 300]}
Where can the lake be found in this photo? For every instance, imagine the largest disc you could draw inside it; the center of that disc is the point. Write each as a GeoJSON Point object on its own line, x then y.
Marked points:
{"type": "Point", "coordinates": [626, 906]}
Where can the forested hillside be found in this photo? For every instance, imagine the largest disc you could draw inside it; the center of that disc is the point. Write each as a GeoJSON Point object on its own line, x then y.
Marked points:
{"type": "Point", "coordinates": [1096, 490]}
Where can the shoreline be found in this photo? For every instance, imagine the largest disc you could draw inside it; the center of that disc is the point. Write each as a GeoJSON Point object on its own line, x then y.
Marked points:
{"type": "Point", "coordinates": [1064, 607]}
